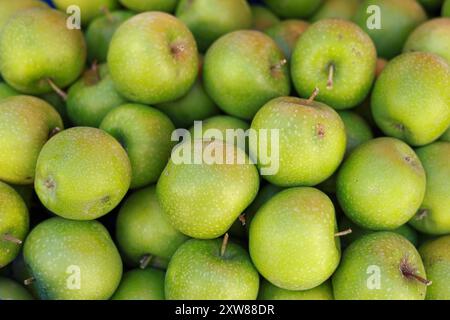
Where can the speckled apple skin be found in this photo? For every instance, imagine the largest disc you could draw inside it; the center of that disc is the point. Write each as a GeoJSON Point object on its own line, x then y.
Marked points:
{"type": "Point", "coordinates": [286, 34]}
{"type": "Point", "coordinates": [268, 291]}
{"type": "Point", "coordinates": [82, 174]}
{"type": "Point", "coordinates": [150, 5]}
{"type": "Point", "coordinates": [293, 8]}
{"type": "Point", "coordinates": [11, 290]}
{"type": "Point", "coordinates": [89, 9]}
{"type": "Point", "coordinates": [140, 284]}
{"type": "Point", "coordinates": [10, 8]}
{"type": "Point", "coordinates": [57, 244]}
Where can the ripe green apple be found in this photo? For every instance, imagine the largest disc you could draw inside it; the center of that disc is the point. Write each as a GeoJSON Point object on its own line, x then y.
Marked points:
{"type": "Point", "coordinates": [357, 130]}
{"type": "Point", "coordinates": [433, 216]}
{"type": "Point", "coordinates": [11, 290]}
{"type": "Point", "coordinates": [84, 263]}
{"type": "Point", "coordinates": [9, 8]}
{"type": "Point", "coordinates": [142, 228]}
{"type": "Point", "coordinates": [292, 239]}
{"type": "Point", "coordinates": [381, 185]}
{"type": "Point", "coordinates": [268, 291]}
{"type": "Point", "coordinates": [82, 173]}
{"type": "Point", "coordinates": [145, 133]}
{"type": "Point", "coordinates": [38, 51]}
{"type": "Point", "coordinates": [211, 270]}
{"type": "Point", "coordinates": [263, 18]}
{"type": "Point", "coordinates": [243, 70]}
{"type": "Point", "coordinates": [411, 100]}
{"type": "Point", "coordinates": [92, 97]}
{"type": "Point", "coordinates": [432, 36]}
{"type": "Point", "coordinates": [150, 5]}
{"type": "Point", "coordinates": [7, 91]}
{"type": "Point", "coordinates": [446, 136]}
{"type": "Point", "coordinates": [293, 8]}
{"type": "Point", "coordinates": [436, 258]}
{"type": "Point", "coordinates": [26, 123]}
{"type": "Point", "coordinates": [286, 34]}
{"type": "Point", "coordinates": [318, 127]}
{"type": "Point", "coordinates": [339, 59]}
{"type": "Point", "coordinates": [14, 224]}
{"type": "Point", "coordinates": [446, 9]}
{"type": "Point", "coordinates": [188, 190]}
{"type": "Point", "coordinates": [57, 101]}
{"type": "Point", "coordinates": [100, 32]}
{"type": "Point", "coordinates": [89, 9]}
{"type": "Point", "coordinates": [139, 284]}
{"type": "Point", "coordinates": [210, 19]}
{"type": "Point", "coordinates": [265, 194]}
{"type": "Point", "coordinates": [397, 19]}
{"type": "Point", "coordinates": [337, 9]}
{"type": "Point", "coordinates": [380, 266]}
{"type": "Point", "coordinates": [195, 105]}
{"type": "Point", "coordinates": [153, 58]}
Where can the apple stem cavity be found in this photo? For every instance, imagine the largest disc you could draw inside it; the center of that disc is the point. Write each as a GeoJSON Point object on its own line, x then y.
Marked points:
{"type": "Point", "coordinates": [92, 76]}
{"type": "Point", "coordinates": [276, 68]}
{"type": "Point", "coordinates": [29, 281]}
{"type": "Point", "coordinates": [57, 89]}
{"type": "Point", "coordinates": [242, 219]}
{"type": "Point", "coordinates": [145, 261]}
{"type": "Point", "coordinates": [224, 245]}
{"type": "Point", "coordinates": [107, 13]}
{"type": "Point", "coordinates": [10, 238]}
{"type": "Point", "coordinates": [54, 132]}
{"type": "Point", "coordinates": [330, 81]}
{"type": "Point", "coordinates": [313, 96]}
{"type": "Point", "coordinates": [422, 214]}
{"type": "Point", "coordinates": [410, 272]}
{"type": "Point", "coordinates": [343, 233]}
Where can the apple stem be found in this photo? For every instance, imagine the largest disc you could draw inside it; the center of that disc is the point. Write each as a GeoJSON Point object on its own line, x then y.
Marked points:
{"type": "Point", "coordinates": [29, 281]}
{"type": "Point", "coordinates": [330, 82]}
{"type": "Point", "coordinates": [10, 238]}
{"type": "Point", "coordinates": [422, 214]}
{"type": "Point", "coordinates": [57, 89]}
{"type": "Point", "coordinates": [313, 96]}
{"type": "Point", "coordinates": [409, 272]}
{"type": "Point", "coordinates": [145, 260]}
{"type": "Point", "coordinates": [107, 13]}
{"type": "Point", "coordinates": [224, 244]}
{"type": "Point", "coordinates": [343, 233]}
{"type": "Point", "coordinates": [279, 65]}
{"type": "Point", "coordinates": [54, 132]}
{"type": "Point", "coordinates": [242, 219]}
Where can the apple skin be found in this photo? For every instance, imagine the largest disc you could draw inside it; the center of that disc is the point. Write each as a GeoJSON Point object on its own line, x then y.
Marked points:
{"type": "Point", "coordinates": [155, 66]}
{"type": "Point", "coordinates": [139, 284]}
{"type": "Point", "coordinates": [263, 18]}
{"type": "Point", "coordinates": [82, 173]}
{"type": "Point", "coordinates": [188, 192]}
{"type": "Point", "coordinates": [197, 271]}
{"type": "Point", "coordinates": [9, 8]}
{"type": "Point", "coordinates": [36, 45]}
{"type": "Point", "coordinates": [432, 36]}
{"type": "Point", "coordinates": [89, 9]}
{"type": "Point", "coordinates": [322, 149]}
{"type": "Point", "coordinates": [268, 291]}
{"type": "Point", "coordinates": [446, 9]}
{"type": "Point", "coordinates": [293, 8]}
{"type": "Point", "coordinates": [6, 91]}
{"type": "Point", "coordinates": [85, 246]}
{"type": "Point", "coordinates": [435, 159]}
{"type": "Point", "coordinates": [381, 171]}
{"type": "Point", "coordinates": [336, 9]}
{"type": "Point", "coordinates": [35, 119]}
{"type": "Point", "coordinates": [292, 239]}
{"type": "Point", "coordinates": [343, 45]}
{"type": "Point", "coordinates": [142, 228]}
{"type": "Point", "coordinates": [243, 70]}
{"type": "Point", "coordinates": [411, 100]}
{"type": "Point", "coordinates": [385, 250]}
{"type": "Point", "coordinates": [446, 136]}
{"type": "Point", "coordinates": [286, 34]}
{"type": "Point", "coordinates": [150, 5]}
{"type": "Point", "coordinates": [15, 222]}
{"type": "Point", "coordinates": [11, 290]}
{"type": "Point", "coordinates": [210, 19]}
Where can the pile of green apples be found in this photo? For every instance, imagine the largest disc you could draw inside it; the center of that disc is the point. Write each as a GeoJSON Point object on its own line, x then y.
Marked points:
{"type": "Point", "coordinates": [92, 206]}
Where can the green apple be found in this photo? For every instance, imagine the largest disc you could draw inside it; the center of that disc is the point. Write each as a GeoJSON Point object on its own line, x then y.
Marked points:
{"type": "Point", "coordinates": [100, 32]}
{"type": "Point", "coordinates": [14, 224]}
{"type": "Point", "coordinates": [446, 136]}
{"type": "Point", "coordinates": [153, 58]}
{"type": "Point", "coordinates": [39, 52]}
{"type": "Point", "coordinates": [211, 270]}
{"type": "Point", "coordinates": [210, 19]}
{"type": "Point", "coordinates": [57, 101]}
{"type": "Point", "coordinates": [84, 263]}
{"type": "Point", "coordinates": [145, 133]}
{"type": "Point", "coordinates": [268, 291]}
{"type": "Point", "coordinates": [195, 105]}
{"type": "Point", "coordinates": [293, 8]}
{"type": "Point", "coordinates": [11, 290]}
{"type": "Point", "coordinates": [339, 9]}
{"type": "Point", "coordinates": [9, 8]}
{"type": "Point", "coordinates": [318, 127]}
{"type": "Point", "coordinates": [150, 5]}
{"type": "Point", "coordinates": [243, 70]}
{"type": "Point", "coordinates": [7, 91]}
{"type": "Point", "coordinates": [189, 191]}
{"type": "Point", "coordinates": [142, 229]}
{"type": "Point", "coordinates": [89, 9]}
{"type": "Point", "coordinates": [265, 194]}
{"type": "Point", "coordinates": [26, 123]}
{"type": "Point", "coordinates": [411, 100]}
{"type": "Point", "coordinates": [339, 59]}
{"type": "Point", "coordinates": [381, 185]}
{"type": "Point", "coordinates": [446, 9]}
{"type": "Point", "coordinates": [92, 97]}
{"type": "Point", "coordinates": [380, 266]}
{"type": "Point", "coordinates": [263, 18]}
{"type": "Point", "coordinates": [292, 239]}
{"type": "Point", "coordinates": [357, 130]}
{"type": "Point", "coordinates": [433, 217]}
{"type": "Point", "coordinates": [286, 34]}
{"type": "Point", "coordinates": [141, 285]}
{"type": "Point", "coordinates": [82, 173]}
{"type": "Point", "coordinates": [436, 258]}
{"type": "Point", "coordinates": [397, 18]}
{"type": "Point", "coordinates": [432, 36]}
